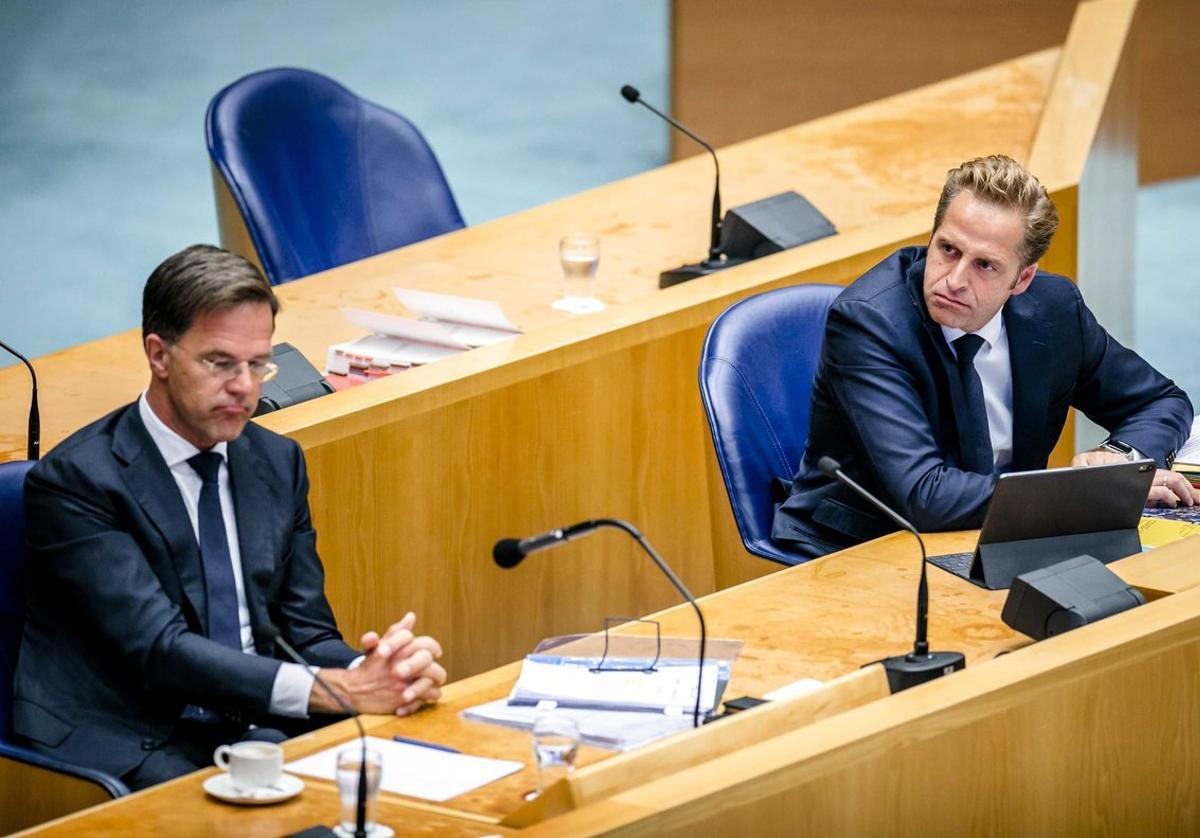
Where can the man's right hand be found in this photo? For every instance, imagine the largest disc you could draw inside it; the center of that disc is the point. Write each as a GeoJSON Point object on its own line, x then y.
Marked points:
{"type": "Point", "coordinates": [399, 675]}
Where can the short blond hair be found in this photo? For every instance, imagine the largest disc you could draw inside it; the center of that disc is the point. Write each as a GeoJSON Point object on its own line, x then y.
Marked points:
{"type": "Point", "coordinates": [1002, 181]}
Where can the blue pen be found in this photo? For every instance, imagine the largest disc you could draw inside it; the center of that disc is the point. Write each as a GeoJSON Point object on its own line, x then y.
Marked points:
{"type": "Point", "coordinates": [431, 745]}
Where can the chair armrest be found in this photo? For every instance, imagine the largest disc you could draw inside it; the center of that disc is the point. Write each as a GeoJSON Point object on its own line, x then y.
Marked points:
{"type": "Point", "coordinates": [110, 784]}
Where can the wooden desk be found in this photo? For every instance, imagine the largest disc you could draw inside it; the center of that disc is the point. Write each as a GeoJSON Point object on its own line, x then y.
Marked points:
{"type": "Point", "coordinates": [825, 619]}
{"type": "Point", "coordinates": [415, 477]}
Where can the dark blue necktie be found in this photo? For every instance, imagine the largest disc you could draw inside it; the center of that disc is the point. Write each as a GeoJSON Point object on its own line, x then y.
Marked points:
{"type": "Point", "coordinates": [977, 442]}
{"type": "Point", "coordinates": [219, 586]}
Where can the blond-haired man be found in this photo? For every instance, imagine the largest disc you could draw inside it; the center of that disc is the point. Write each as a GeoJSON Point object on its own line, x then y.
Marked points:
{"type": "Point", "coordinates": [947, 365]}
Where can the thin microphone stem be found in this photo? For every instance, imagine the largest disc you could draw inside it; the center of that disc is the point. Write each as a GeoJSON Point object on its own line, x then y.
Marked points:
{"type": "Point", "coordinates": [360, 813]}
{"type": "Point", "coordinates": [714, 247]}
{"type": "Point", "coordinates": [34, 438]}
{"type": "Point", "coordinates": [679, 586]}
{"type": "Point", "coordinates": [921, 645]}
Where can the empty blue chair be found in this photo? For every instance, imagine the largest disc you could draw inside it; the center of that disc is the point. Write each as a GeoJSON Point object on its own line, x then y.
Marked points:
{"type": "Point", "coordinates": [756, 376]}
{"type": "Point", "coordinates": [12, 620]}
{"type": "Point", "coordinates": [320, 176]}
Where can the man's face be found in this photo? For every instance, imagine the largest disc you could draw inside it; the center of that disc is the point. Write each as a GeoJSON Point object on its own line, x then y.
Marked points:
{"type": "Point", "coordinates": [202, 405]}
{"type": "Point", "coordinates": [972, 267]}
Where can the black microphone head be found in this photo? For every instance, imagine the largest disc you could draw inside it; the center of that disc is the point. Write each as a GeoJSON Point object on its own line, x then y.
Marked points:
{"type": "Point", "coordinates": [630, 93]}
{"type": "Point", "coordinates": [507, 553]}
{"type": "Point", "coordinates": [829, 467]}
{"type": "Point", "coordinates": [266, 633]}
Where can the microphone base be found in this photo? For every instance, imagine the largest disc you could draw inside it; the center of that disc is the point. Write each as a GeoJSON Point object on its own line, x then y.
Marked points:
{"type": "Point", "coordinates": [904, 671]}
{"type": "Point", "coordinates": [684, 273]}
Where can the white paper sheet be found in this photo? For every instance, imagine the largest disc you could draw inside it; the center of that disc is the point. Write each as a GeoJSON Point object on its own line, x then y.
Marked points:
{"type": "Point", "coordinates": [449, 308]}
{"type": "Point", "coordinates": [413, 770]}
{"type": "Point", "coordinates": [403, 328]}
{"type": "Point", "coordinates": [1190, 452]}
{"type": "Point", "coordinates": [804, 685]}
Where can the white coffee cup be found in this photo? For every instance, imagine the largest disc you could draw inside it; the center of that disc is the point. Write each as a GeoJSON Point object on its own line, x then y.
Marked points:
{"type": "Point", "coordinates": [250, 765]}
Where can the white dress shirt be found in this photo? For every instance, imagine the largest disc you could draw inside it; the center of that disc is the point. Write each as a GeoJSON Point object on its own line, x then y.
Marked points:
{"type": "Point", "coordinates": [995, 373]}
{"type": "Point", "coordinates": [293, 683]}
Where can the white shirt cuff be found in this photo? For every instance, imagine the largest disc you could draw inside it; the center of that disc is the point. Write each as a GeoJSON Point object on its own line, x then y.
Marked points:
{"type": "Point", "coordinates": [291, 691]}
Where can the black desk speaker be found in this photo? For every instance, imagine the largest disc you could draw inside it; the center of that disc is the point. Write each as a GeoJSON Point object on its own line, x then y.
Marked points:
{"type": "Point", "coordinates": [1064, 596]}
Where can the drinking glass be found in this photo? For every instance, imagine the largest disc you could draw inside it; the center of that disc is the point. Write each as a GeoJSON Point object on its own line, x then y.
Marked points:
{"type": "Point", "coordinates": [555, 746]}
{"type": "Point", "coordinates": [348, 762]}
{"type": "Point", "coordinates": [579, 254]}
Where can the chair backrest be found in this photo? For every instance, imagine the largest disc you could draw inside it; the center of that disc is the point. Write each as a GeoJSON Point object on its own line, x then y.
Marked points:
{"type": "Point", "coordinates": [322, 177]}
{"type": "Point", "coordinates": [12, 581]}
{"type": "Point", "coordinates": [756, 375]}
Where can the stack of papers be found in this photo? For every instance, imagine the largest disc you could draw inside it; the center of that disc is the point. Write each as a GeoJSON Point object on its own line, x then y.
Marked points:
{"type": "Point", "coordinates": [414, 770]}
{"type": "Point", "coordinates": [551, 680]}
{"type": "Point", "coordinates": [448, 325]}
{"type": "Point", "coordinates": [615, 730]}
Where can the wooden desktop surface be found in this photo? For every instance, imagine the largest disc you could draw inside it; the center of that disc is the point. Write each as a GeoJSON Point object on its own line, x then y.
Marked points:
{"type": "Point", "coordinates": [819, 620]}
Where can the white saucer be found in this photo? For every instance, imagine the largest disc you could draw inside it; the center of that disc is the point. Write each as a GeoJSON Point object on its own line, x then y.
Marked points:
{"type": "Point", "coordinates": [221, 787]}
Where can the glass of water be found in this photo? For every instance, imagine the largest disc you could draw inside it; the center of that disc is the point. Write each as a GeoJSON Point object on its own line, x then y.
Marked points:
{"type": "Point", "coordinates": [555, 746]}
{"type": "Point", "coordinates": [348, 763]}
{"type": "Point", "coordinates": [579, 254]}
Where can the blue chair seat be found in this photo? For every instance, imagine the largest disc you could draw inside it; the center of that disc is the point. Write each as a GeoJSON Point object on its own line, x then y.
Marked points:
{"type": "Point", "coordinates": [12, 620]}
{"type": "Point", "coordinates": [756, 373]}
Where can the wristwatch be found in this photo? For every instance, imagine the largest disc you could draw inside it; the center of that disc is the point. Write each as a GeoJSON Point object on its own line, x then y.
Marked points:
{"type": "Point", "coordinates": [1118, 447]}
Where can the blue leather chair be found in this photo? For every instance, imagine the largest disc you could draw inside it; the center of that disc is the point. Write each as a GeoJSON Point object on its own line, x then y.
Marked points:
{"type": "Point", "coordinates": [12, 619]}
{"type": "Point", "coordinates": [322, 177]}
{"type": "Point", "coordinates": [756, 375]}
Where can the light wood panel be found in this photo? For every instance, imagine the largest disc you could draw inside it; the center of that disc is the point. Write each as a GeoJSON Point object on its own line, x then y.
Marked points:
{"type": "Point", "coordinates": [740, 70]}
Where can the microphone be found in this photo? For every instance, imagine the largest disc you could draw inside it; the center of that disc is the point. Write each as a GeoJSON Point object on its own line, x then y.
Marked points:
{"type": "Point", "coordinates": [508, 552]}
{"type": "Point", "coordinates": [267, 634]}
{"type": "Point", "coordinates": [34, 439]}
{"type": "Point", "coordinates": [716, 260]}
{"type": "Point", "coordinates": [919, 665]}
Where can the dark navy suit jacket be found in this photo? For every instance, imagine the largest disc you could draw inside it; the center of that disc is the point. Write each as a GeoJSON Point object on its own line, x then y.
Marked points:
{"type": "Point", "coordinates": [114, 644]}
{"type": "Point", "coordinates": [886, 403]}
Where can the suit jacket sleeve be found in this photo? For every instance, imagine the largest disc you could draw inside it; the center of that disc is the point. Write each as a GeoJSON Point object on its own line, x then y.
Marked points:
{"type": "Point", "coordinates": [103, 579]}
{"type": "Point", "coordinates": [872, 377]}
{"type": "Point", "coordinates": [1126, 396]}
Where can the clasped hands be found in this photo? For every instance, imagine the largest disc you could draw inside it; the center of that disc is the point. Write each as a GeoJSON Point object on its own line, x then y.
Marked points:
{"type": "Point", "coordinates": [1170, 488]}
{"type": "Point", "coordinates": [399, 674]}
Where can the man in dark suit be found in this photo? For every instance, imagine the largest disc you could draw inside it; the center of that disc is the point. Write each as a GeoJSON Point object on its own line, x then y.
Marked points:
{"type": "Point", "coordinates": [164, 536]}
{"type": "Point", "coordinates": [947, 365]}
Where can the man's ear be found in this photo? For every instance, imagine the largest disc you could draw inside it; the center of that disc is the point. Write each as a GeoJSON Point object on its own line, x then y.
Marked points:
{"type": "Point", "coordinates": [1024, 278]}
{"type": "Point", "coordinates": [156, 355]}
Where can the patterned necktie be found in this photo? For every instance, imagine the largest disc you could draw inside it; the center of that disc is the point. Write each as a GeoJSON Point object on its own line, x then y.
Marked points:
{"type": "Point", "coordinates": [977, 444]}
{"type": "Point", "coordinates": [220, 589]}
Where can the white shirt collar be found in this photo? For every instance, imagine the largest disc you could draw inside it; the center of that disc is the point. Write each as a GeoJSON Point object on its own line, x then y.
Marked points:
{"type": "Point", "coordinates": [989, 331]}
{"type": "Point", "coordinates": [174, 448]}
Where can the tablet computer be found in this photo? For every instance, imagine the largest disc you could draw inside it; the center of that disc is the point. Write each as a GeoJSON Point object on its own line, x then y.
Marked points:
{"type": "Point", "coordinates": [1038, 518]}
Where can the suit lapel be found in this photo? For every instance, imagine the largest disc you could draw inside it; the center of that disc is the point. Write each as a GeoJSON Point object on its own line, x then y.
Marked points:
{"type": "Point", "coordinates": [153, 487]}
{"type": "Point", "coordinates": [254, 496]}
{"type": "Point", "coordinates": [949, 367]}
{"type": "Point", "coordinates": [1028, 350]}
